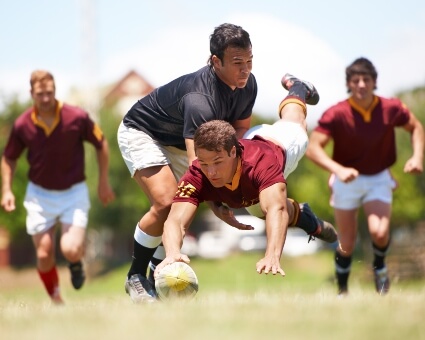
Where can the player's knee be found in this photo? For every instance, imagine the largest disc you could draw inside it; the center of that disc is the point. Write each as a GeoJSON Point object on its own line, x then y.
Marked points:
{"type": "Point", "coordinates": [380, 238]}
{"type": "Point", "coordinates": [73, 252]}
{"type": "Point", "coordinates": [162, 205]}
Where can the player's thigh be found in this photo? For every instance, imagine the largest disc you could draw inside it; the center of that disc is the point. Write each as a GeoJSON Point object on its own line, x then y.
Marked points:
{"type": "Point", "coordinates": [346, 223]}
{"type": "Point", "coordinates": [378, 214]}
{"type": "Point", "coordinates": [158, 183]}
{"type": "Point", "coordinates": [44, 244]}
{"type": "Point", "coordinates": [72, 239]}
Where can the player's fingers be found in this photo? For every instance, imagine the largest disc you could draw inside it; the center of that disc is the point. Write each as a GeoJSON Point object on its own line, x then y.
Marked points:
{"type": "Point", "coordinates": [248, 227]}
{"type": "Point", "coordinates": [158, 270]}
{"type": "Point", "coordinates": [184, 258]}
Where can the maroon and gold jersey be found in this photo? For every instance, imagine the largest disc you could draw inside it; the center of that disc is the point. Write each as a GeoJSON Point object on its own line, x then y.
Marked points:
{"type": "Point", "coordinates": [260, 166]}
{"type": "Point", "coordinates": [56, 154]}
{"type": "Point", "coordinates": [364, 139]}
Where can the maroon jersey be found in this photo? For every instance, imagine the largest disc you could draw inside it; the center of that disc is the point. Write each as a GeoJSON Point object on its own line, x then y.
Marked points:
{"type": "Point", "coordinates": [55, 155]}
{"type": "Point", "coordinates": [364, 140]}
{"type": "Point", "coordinates": [260, 166]}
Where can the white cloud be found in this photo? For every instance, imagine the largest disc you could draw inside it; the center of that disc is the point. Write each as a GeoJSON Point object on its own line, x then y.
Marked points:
{"type": "Point", "coordinates": [401, 65]}
{"type": "Point", "coordinates": [278, 47]}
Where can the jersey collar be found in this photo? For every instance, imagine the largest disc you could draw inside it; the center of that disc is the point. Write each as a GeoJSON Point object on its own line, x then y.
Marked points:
{"type": "Point", "coordinates": [38, 122]}
{"type": "Point", "coordinates": [365, 113]}
{"type": "Point", "coordinates": [236, 177]}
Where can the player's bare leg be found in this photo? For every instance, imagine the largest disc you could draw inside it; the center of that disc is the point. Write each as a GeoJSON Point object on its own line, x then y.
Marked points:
{"type": "Point", "coordinates": [72, 247]}
{"type": "Point", "coordinates": [46, 265]}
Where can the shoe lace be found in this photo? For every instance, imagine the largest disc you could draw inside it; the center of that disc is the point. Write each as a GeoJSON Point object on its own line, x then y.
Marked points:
{"type": "Point", "coordinates": [138, 286]}
{"type": "Point", "coordinates": [311, 238]}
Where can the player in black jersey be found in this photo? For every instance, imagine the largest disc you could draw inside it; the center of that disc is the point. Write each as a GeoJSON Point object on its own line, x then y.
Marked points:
{"type": "Point", "coordinates": [156, 134]}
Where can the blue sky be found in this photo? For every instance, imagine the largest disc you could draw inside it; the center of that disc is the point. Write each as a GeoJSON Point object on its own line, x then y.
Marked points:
{"type": "Point", "coordinates": [163, 39]}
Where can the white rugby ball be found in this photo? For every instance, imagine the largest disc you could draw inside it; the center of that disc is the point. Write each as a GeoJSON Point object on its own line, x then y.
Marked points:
{"type": "Point", "coordinates": [176, 280]}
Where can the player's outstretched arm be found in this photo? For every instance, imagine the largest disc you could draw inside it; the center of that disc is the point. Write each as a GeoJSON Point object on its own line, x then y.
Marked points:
{"type": "Point", "coordinates": [273, 202]}
{"type": "Point", "coordinates": [178, 221]}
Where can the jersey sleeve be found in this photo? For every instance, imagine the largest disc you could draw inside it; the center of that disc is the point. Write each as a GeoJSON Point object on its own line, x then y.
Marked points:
{"type": "Point", "coordinates": [403, 116]}
{"type": "Point", "coordinates": [92, 132]}
{"type": "Point", "coordinates": [190, 187]}
{"type": "Point", "coordinates": [326, 122]}
{"type": "Point", "coordinates": [15, 145]}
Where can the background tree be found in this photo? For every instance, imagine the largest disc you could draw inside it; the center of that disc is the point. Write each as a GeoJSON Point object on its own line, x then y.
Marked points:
{"type": "Point", "coordinates": [14, 222]}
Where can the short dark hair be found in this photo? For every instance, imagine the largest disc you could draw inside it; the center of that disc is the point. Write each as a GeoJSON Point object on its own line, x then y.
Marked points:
{"type": "Point", "coordinates": [227, 35]}
{"type": "Point", "coordinates": [361, 66]}
{"type": "Point", "coordinates": [216, 135]}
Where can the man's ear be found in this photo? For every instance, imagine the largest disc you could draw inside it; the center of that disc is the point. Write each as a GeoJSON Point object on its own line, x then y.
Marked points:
{"type": "Point", "coordinates": [216, 61]}
{"type": "Point", "coordinates": [233, 151]}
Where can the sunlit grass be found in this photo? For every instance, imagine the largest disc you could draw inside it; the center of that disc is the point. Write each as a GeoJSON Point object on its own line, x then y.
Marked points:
{"type": "Point", "coordinates": [233, 302]}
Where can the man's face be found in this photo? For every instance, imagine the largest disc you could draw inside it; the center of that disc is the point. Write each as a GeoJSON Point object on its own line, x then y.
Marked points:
{"type": "Point", "coordinates": [219, 167]}
{"type": "Point", "coordinates": [361, 86]}
{"type": "Point", "coordinates": [235, 68]}
{"type": "Point", "coordinates": [43, 95]}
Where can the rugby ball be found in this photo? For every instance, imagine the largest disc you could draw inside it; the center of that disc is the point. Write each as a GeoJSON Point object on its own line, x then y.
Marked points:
{"type": "Point", "coordinates": [176, 281]}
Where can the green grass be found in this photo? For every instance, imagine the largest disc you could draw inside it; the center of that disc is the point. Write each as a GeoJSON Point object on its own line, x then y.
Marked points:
{"type": "Point", "coordinates": [234, 302]}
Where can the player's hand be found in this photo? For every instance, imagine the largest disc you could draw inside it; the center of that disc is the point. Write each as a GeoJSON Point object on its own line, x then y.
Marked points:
{"type": "Point", "coordinates": [8, 201]}
{"type": "Point", "coordinates": [413, 166]}
{"type": "Point", "coordinates": [347, 175]}
{"type": "Point", "coordinates": [105, 193]}
{"type": "Point", "coordinates": [177, 257]}
{"type": "Point", "coordinates": [225, 214]}
{"type": "Point", "coordinates": [270, 264]}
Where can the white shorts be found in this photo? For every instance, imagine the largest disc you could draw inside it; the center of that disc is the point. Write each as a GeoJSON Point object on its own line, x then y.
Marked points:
{"type": "Point", "coordinates": [140, 151]}
{"type": "Point", "coordinates": [46, 207]}
{"type": "Point", "coordinates": [363, 189]}
{"type": "Point", "coordinates": [292, 137]}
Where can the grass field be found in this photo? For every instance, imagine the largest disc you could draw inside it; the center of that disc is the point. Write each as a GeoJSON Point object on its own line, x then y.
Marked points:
{"type": "Point", "coordinates": [233, 302]}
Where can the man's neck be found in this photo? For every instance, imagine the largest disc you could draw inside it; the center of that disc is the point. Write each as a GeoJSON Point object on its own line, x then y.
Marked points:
{"type": "Point", "coordinates": [364, 103]}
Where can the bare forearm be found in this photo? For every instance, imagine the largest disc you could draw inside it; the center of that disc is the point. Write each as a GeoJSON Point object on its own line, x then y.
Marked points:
{"type": "Point", "coordinates": [172, 238]}
{"type": "Point", "coordinates": [103, 162]}
{"type": "Point", "coordinates": [418, 142]}
{"type": "Point", "coordinates": [276, 228]}
{"type": "Point", "coordinates": [7, 171]}
{"type": "Point", "coordinates": [319, 156]}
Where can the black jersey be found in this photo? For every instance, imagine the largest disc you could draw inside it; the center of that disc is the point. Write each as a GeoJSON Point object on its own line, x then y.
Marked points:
{"type": "Point", "coordinates": [172, 112]}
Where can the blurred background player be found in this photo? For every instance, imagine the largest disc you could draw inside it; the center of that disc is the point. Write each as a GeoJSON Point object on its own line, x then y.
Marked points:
{"type": "Point", "coordinates": [362, 129]}
{"type": "Point", "coordinates": [249, 173]}
{"type": "Point", "coordinates": [54, 132]}
{"type": "Point", "coordinates": [156, 135]}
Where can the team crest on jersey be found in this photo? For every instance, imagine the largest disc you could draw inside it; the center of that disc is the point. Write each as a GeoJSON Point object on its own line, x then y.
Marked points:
{"type": "Point", "coordinates": [185, 190]}
{"type": "Point", "coordinates": [248, 203]}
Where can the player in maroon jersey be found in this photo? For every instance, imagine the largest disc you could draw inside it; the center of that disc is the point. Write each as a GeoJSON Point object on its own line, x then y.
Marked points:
{"type": "Point", "coordinates": [248, 173]}
{"type": "Point", "coordinates": [53, 133]}
{"type": "Point", "coordinates": [362, 129]}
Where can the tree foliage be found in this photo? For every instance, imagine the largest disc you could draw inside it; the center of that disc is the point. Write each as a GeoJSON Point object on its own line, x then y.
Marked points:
{"type": "Point", "coordinates": [15, 221]}
{"type": "Point", "coordinates": [307, 183]}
